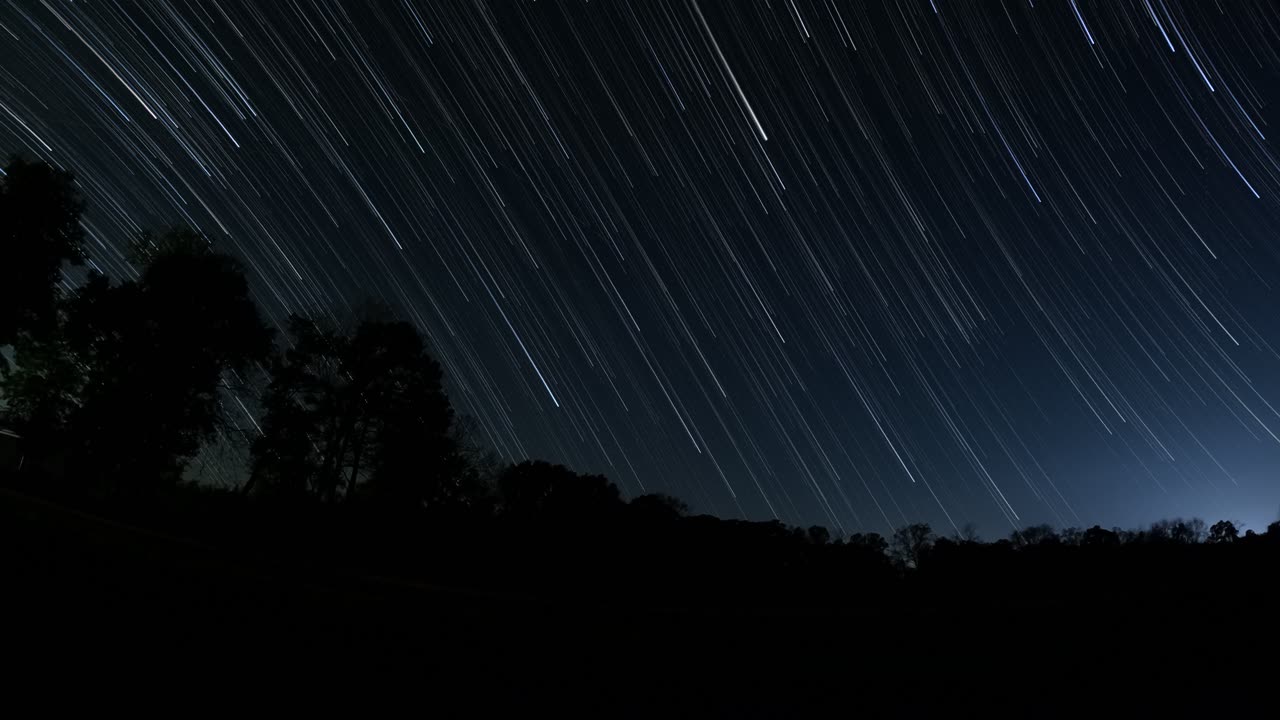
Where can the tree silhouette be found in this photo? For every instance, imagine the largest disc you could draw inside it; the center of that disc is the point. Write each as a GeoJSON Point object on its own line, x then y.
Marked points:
{"type": "Point", "coordinates": [364, 412]}
{"type": "Point", "coordinates": [1034, 535]}
{"type": "Point", "coordinates": [968, 533]}
{"type": "Point", "coordinates": [910, 543]}
{"type": "Point", "coordinates": [39, 230]}
{"type": "Point", "coordinates": [534, 489]}
{"type": "Point", "coordinates": [818, 535]}
{"type": "Point", "coordinates": [1071, 536]}
{"type": "Point", "coordinates": [1098, 536]}
{"type": "Point", "coordinates": [1273, 532]}
{"type": "Point", "coordinates": [868, 543]}
{"type": "Point", "coordinates": [155, 353]}
{"type": "Point", "coordinates": [658, 507]}
{"type": "Point", "coordinates": [1223, 531]}
{"type": "Point", "coordinates": [41, 390]}
{"type": "Point", "coordinates": [1178, 531]}
{"type": "Point", "coordinates": [1188, 532]}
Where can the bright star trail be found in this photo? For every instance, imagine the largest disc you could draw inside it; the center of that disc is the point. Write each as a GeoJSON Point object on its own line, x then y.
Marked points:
{"type": "Point", "coordinates": [846, 263]}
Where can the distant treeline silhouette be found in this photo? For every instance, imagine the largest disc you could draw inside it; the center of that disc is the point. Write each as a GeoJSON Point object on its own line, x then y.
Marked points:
{"type": "Point", "coordinates": [357, 460]}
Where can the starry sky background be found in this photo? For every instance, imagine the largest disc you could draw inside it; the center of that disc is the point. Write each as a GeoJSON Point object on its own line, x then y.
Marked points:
{"type": "Point", "coordinates": [856, 264]}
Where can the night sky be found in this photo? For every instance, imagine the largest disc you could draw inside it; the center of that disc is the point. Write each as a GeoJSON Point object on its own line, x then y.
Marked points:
{"type": "Point", "coordinates": [846, 263]}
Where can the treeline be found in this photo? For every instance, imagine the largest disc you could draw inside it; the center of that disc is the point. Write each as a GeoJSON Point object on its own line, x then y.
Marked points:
{"type": "Point", "coordinates": [357, 460]}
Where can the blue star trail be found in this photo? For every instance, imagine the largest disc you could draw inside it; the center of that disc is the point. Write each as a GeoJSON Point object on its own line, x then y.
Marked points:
{"type": "Point", "coordinates": [855, 264]}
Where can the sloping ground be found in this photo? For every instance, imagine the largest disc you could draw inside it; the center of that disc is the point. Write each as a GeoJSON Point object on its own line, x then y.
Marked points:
{"type": "Point", "coordinates": [86, 596]}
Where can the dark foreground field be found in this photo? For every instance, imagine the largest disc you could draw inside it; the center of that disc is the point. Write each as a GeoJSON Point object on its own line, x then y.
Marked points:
{"type": "Point", "coordinates": [87, 601]}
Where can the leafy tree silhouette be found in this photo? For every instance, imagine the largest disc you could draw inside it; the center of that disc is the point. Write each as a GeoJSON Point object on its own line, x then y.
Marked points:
{"type": "Point", "coordinates": [39, 230]}
{"type": "Point", "coordinates": [155, 353]}
{"type": "Point", "coordinates": [868, 543]}
{"type": "Point", "coordinates": [417, 460]}
{"type": "Point", "coordinates": [1188, 532]}
{"type": "Point", "coordinates": [537, 488]}
{"type": "Point", "coordinates": [363, 412]}
{"type": "Point", "coordinates": [658, 507]}
{"type": "Point", "coordinates": [1098, 536]}
{"type": "Point", "coordinates": [1177, 531]}
{"type": "Point", "coordinates": [1223, 531]}
{"type": "Point", "coordinates": [41, 390]}
{"type": "Point", "coordinates": [1273, 532]}
{"type": "Point", "coordinates": [1034, 535]}
{"type": "Point", "coordinates": [818, 535]}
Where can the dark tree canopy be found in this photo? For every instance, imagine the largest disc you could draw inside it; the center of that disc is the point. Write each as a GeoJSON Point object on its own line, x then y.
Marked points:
{"type": "Point", "coordinates": [541, 489]}
{"type": "Point", "coordinates": [868, 543]}
{"type": "Point", "coordinates": [1034, 535]}
{"type": "Point", "coordinates": [130, 381]}
{"type": "Point", "coordinates": [41, 390]}
{"type": "Point", "coordinates": [363, 412]}
{"type": "Point", "coordinates": [658, 506]}
{"type": "Point", "coordinates": [1223, 531]}
{"type": "Point", "coordinates": [39, 230]}
{"type": "Point", "coordinates": [1099, 536]}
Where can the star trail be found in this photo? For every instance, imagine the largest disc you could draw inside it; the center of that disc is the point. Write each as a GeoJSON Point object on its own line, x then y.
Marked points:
{"type": "Point", "coordinates": [854, 264]}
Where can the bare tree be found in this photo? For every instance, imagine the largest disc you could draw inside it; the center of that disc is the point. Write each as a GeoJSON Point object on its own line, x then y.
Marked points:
{"type": "Point", "coordinates": [910, 543]}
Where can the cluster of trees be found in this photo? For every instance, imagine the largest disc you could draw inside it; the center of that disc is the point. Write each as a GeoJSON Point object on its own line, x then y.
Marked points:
{"type": "Point", "coordinates": [115, 386]}
{"type": "Point", "coordinates": [357, 457]}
